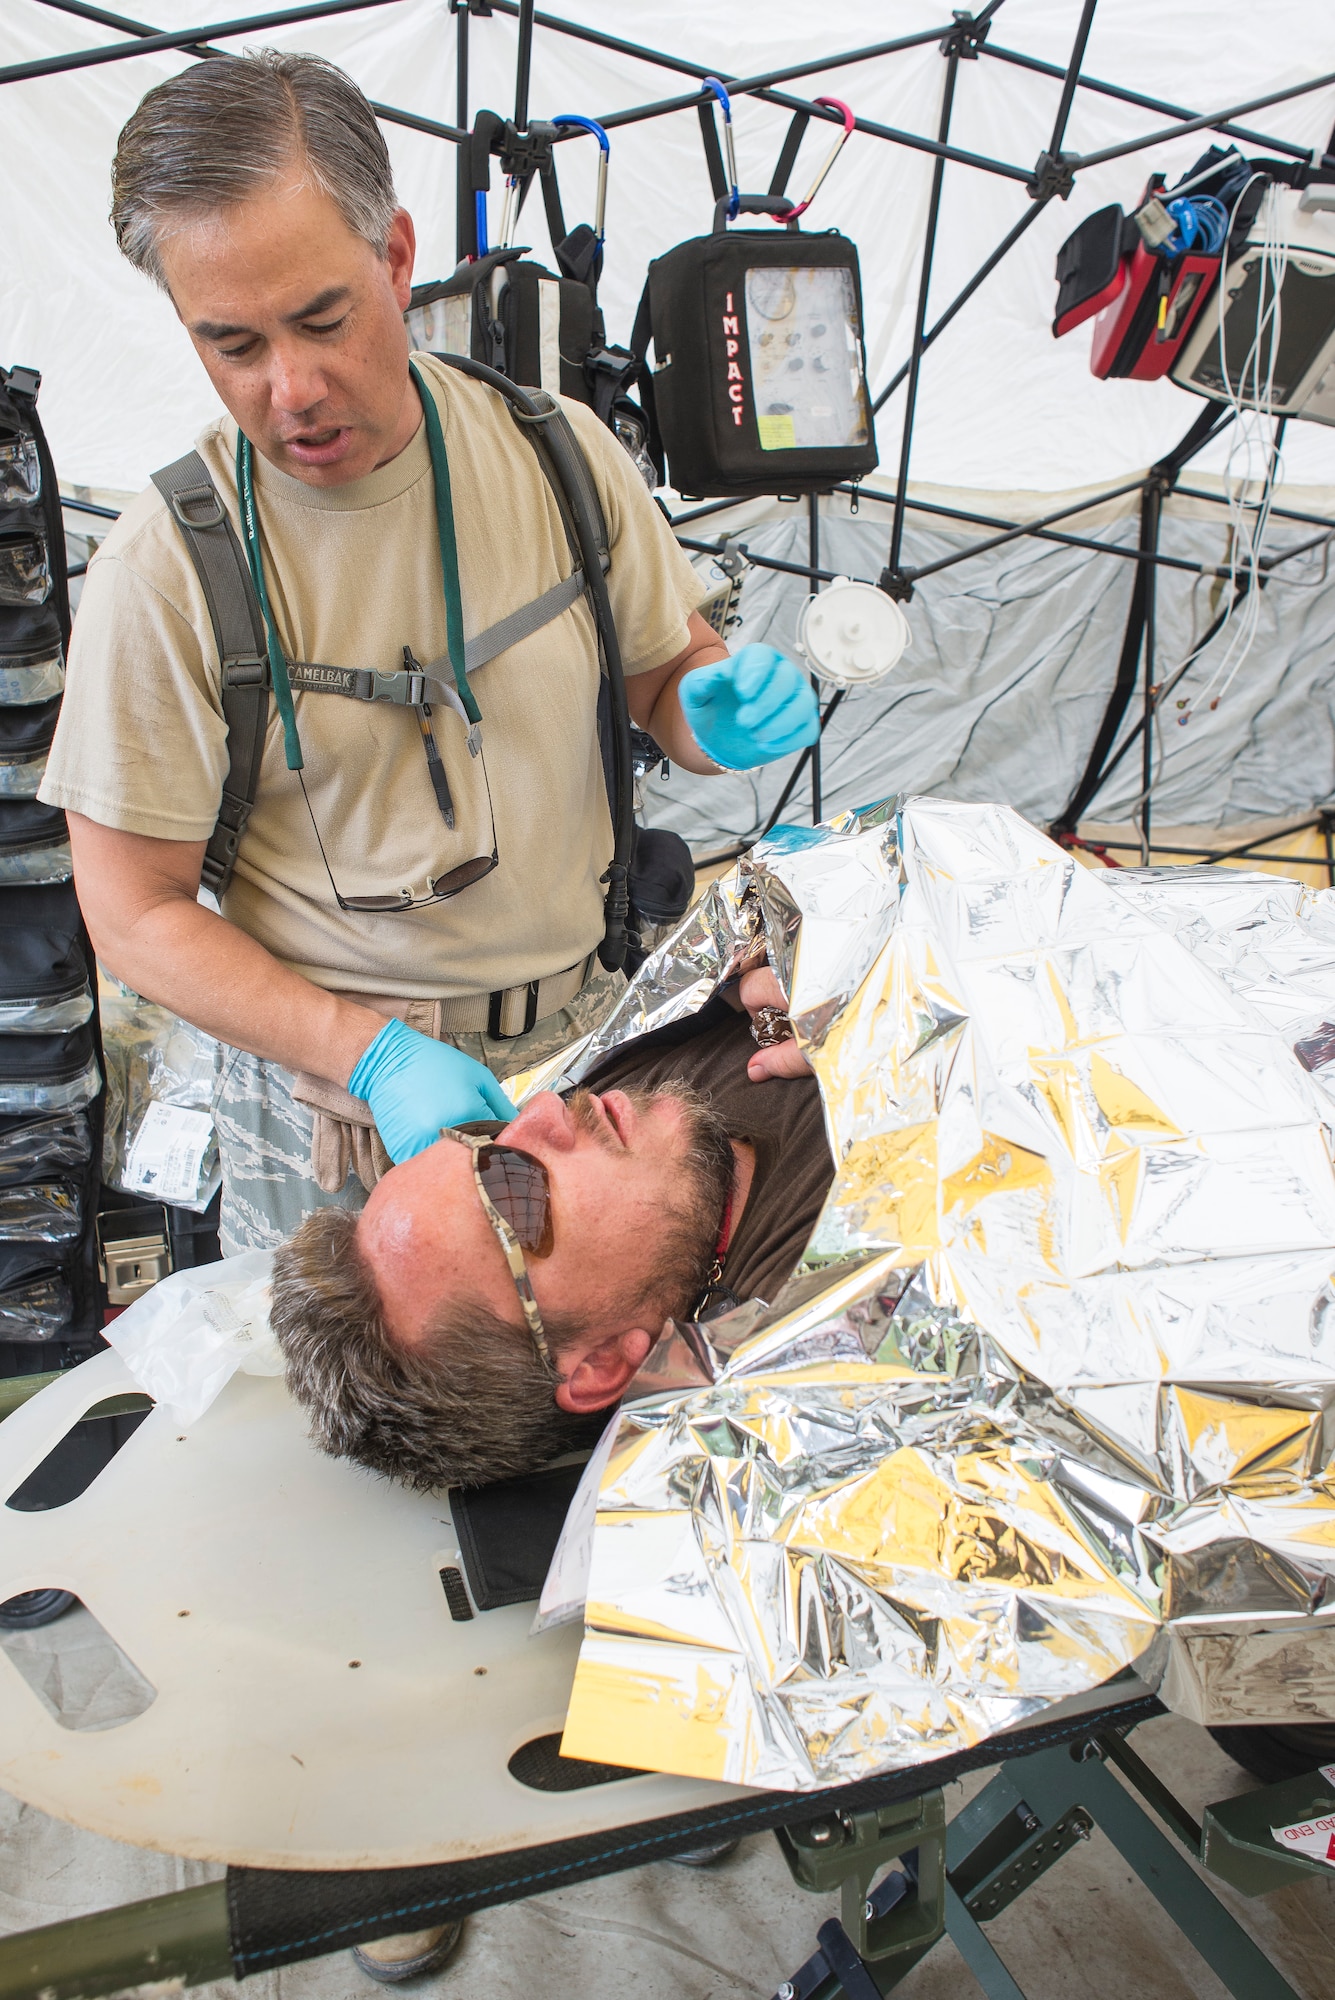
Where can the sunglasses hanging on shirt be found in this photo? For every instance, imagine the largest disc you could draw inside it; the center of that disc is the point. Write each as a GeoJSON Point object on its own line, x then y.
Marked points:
{"type": "Point", "coordinates": [284, 674]}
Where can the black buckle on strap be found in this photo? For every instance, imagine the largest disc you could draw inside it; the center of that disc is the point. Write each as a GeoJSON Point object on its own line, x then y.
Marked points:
{"type": "Point", "coordinates": [497, 1002]}
{"type": "Point", "coordinates": [245, 670]}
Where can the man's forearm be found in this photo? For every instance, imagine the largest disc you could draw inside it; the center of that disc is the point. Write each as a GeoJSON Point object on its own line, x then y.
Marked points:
{"type": "Point", "coordinates": [148, 928]}
{"type": "Point", "coordinates": [209, 972]}
{"type": "Point", "coordinates": [667, 725]}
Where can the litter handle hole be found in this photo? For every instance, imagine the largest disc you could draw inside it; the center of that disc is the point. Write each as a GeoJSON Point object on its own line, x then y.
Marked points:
{"type": "Point", "coordinates": [540, 1765]}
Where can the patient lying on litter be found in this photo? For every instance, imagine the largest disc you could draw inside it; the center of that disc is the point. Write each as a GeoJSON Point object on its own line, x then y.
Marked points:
{"type": "Point", "coordinates": [498, 1291]}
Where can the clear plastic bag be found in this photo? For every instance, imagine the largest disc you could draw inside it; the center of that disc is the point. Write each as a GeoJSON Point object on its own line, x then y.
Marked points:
{"type": "Point", "coordinates": [37, 864]}
{"type": "Point", "coordinates": [20, 776]}
{"type": "Point", "coordinates": [20, 469]}
{"type": "Point", "coordinates": [25, 680]}
{"type": "Point", "coordinates": [159, 1137]}
{"type": "Point", "coordinates": [45, 1147]}
{"type": "Point", "coordinates": [71, 1094]}
{"type": "Point", "coordinates": [187, 1336]}
{"type": "Point", "coordinates": [25, 573]}
{"type": "Point", "coordinates": [48, 1212]}
{"type": "Point", "coordinates": [46, 1015]}
{"type": "Point", "coordinates": [36, 1309]}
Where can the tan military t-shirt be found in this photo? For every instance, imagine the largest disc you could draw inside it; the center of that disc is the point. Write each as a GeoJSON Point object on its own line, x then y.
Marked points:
{"type": "Point", "coordinates": [354, 575]}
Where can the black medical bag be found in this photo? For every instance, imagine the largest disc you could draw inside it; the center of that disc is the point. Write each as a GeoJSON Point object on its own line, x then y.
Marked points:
{"type": "Point", "coordinates": [541, 328]}
{"type": "Point", "coordinates": [759, 382]}
{"type": "Point", "coordinates": [50, 1083]}
{"type": "Point", "coordinates": [516, 316]}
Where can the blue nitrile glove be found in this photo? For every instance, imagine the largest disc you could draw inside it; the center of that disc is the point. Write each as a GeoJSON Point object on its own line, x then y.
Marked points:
{"type": "Point", "coordinates": [750, 709]}
{"type": "Point", "coordinates": [414, 1085]}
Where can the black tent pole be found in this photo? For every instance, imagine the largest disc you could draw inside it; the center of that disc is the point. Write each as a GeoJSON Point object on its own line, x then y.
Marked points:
{"type": "Point", "coordinates": [813, 557]}
{"type": "Point", "coordinates": [892, 579]}
{"type": "Point", "coordinates": [465, 204]}
{"type": "Point", "coordinates": [389, 114]}
{"type": "Point", "coordinates": [1137, 97]}
{"type": "Point", "coordinates": [1161, 480]}
{"type": "Point", "coordinates": [960, 299]}
{"type": "Point", "coordinates": [1071, 78]}
{"type": "Point", "coordinates": [1154, 494]}
{"type": "Point", "coordinates": [523, 64]}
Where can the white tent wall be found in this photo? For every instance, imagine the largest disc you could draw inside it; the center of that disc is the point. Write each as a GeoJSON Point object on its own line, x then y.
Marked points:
{"type": "Point", "coordinates": [1013, 653]}
{"type": "Point", "coordinates": [1007, 677]}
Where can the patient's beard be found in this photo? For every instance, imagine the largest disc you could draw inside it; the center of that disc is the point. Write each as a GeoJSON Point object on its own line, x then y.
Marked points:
{"type": "Point", "coordinates": [703, 1166]}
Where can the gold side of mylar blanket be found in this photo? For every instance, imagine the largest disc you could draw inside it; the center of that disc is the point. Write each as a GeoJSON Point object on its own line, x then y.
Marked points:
{"type": "Point", "coordinates": [1054, 1392]}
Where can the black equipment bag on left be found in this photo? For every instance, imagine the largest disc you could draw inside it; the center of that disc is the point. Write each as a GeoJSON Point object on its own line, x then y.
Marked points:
{"type": "Point", "coordinates": [541, 328]}
{"type": "Point", "coordinates": [759, 383]}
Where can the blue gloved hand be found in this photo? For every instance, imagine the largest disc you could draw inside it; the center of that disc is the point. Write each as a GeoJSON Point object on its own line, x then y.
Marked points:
{"type": "Point", "coordinates": [750, 709]}
{"type": "Point", "coordinates": [414, 1085]}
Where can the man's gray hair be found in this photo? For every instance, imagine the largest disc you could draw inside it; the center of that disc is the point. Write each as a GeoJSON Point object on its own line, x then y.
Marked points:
{"type": "Point", "coordinates": [473, 1402]}
{"type": "Point", "coordinates": [223, 131]}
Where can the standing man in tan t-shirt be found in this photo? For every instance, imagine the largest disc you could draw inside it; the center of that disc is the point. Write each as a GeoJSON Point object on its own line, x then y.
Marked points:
{"type": "Point", "coordinates": [257, 191]}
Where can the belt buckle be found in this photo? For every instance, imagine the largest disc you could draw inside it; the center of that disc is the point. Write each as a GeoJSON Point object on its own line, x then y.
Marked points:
{"type": "Point", "coordinates": [495, 1008]}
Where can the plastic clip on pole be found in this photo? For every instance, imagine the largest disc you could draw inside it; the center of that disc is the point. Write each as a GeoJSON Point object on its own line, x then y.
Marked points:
{"type": "Point", "coordinates": [604, 149]}
{"type": "Point", "coordinates": [832, 104]}
{"type": "Point", "coordinates": [729, 147]}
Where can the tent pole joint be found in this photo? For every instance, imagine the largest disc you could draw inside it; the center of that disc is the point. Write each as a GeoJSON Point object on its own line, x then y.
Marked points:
{"type": "Point", "coordinates": [1053, 175]}
{"type": "Point", "coordinates": [897, 583]}
{"type": "Point", "coordinates": [967, 36]}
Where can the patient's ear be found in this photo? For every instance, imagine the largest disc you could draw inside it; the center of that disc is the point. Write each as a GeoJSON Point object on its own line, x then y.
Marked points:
{"type": "Point", "coordinates": [599, 1376]}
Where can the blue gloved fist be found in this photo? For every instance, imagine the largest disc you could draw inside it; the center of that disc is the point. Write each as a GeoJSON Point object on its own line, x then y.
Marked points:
{"type": "Point", "coordinates": [414, 1085]}
{"type": "Point", "coordinates": [750, 709]}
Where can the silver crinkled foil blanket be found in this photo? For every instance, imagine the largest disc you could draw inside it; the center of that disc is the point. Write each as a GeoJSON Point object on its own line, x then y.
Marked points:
{"type": "Point", "coordinates": [1053, 1393]}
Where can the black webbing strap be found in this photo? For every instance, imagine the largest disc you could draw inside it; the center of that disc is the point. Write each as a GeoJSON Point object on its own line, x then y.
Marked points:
{"type": "Point", "coordinates": [551, 202]}
{"type": "Point", "coordinates": [787, 159]}
{"type": "Point", "coordinates": [640, 336]}
{"type": "Point", "coordinates": [238, 628]}
{"type": "Point", "coordinates": [279, 1917]}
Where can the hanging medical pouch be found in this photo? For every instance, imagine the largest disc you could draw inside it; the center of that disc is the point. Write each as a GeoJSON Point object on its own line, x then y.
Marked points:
{"type": "Point", "coordinates": [25, 738]}
{"type": "Point", "coordinates": [45, 1074]}
{"type": "Point", "coordinates": [759, 383]}
{"type": "Point", "coordinates": [34, 843]}
{"type": "Point", "coordinates": [1140, 334]}
{"type": "Point", "coordinates": [36, 1302]}
{"type": "Point", "coordinates": [36, 1149]}
{"type": "Point", "coordinates": [44, 986]}
{"type": "Point", "coordinates": [1091, 268]}
{"type": "Point", "coordinates": [514, 315]}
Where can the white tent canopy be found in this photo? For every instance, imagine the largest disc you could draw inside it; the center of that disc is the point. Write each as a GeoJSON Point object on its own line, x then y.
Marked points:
{"type": "Point", "coordinates": [1013, 654]}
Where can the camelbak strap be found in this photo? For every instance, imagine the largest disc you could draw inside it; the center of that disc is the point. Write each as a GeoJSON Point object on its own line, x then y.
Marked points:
{"type": "Point", "coordinates": [238, 629]}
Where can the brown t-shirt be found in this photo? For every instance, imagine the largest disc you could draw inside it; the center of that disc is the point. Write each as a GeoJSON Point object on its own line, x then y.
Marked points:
{"type": "Point", "coordinates": [782, 1118]}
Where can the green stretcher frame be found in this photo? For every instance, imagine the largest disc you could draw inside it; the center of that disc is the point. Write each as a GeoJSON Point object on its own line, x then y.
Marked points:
{"type": "Point", "coordinates": [951, 1878]}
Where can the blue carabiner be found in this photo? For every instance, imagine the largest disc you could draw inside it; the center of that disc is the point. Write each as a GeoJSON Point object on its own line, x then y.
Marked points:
{"type": "Point", "coordinates": [604, 149]}
{"type": "Point", "coordinates": [729, 148]}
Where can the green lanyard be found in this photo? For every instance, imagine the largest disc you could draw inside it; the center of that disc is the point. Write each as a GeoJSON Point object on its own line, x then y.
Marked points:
{"type": "Point", "coordinates": [449, 574]}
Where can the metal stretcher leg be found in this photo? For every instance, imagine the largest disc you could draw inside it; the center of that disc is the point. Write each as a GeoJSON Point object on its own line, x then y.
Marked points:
{"type": "Point", "coordinates": [1031, 1814]}
{"type": "Point", "coordinates": [1056, 1781]}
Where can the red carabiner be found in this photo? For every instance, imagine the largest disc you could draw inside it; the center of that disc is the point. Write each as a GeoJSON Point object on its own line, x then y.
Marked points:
{"type": "Point", "coordinates": [833, 104]}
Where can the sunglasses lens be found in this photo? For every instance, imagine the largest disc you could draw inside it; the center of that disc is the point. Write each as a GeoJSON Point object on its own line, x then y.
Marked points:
{"type": "Point", "coordinates": [462, 876]}
{"type": "Point", "coordinates": [519, 1190]}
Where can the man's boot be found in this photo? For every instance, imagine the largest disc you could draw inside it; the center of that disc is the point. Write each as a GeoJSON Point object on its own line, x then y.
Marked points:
{"type": "Point", "coordinates": [411, 1955]}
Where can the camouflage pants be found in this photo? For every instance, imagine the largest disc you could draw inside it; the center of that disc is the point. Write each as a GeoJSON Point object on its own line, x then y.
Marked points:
{"type": "Point", "coordinates": [264, 1134]}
